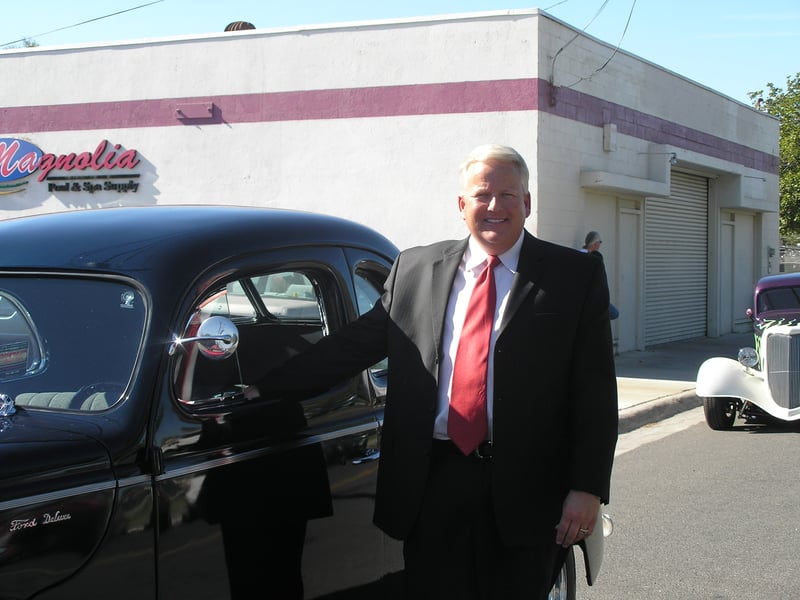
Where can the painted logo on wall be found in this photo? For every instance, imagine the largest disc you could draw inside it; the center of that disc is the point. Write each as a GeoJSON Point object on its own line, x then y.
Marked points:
{"type": "Point", "coordinates": [19, 159]}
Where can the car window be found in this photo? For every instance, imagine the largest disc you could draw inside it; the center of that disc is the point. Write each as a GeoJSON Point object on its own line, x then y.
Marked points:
{"type": "Point", "coordinates": [231, 302]}
{"type": "Point", "coordinates": [284, 296]}
{"type": "Point", "coordinates": [368, 279]}
{"type": "Point", "coordinates": [277, 314]}
{"type": "Point", "coordinates": [367, 294]}
{"type": "Point", "coordinates": [783, 299]}
{"type": "Point", "coordinates": [68, 343]}
{"type": "Point", "coordinates": [21, 347]}
{"type": "Point", "coordinates": [288, 296]}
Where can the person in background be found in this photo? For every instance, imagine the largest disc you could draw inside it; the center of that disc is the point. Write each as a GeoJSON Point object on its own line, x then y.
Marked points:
{"type": "Point", "coordinates": [591, 245]}
{"type": "Point", "coordinates": [487, 473]}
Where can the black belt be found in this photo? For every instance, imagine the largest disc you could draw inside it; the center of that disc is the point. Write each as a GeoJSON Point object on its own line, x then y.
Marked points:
{"type": "Point", "coordinates": [444, 447]}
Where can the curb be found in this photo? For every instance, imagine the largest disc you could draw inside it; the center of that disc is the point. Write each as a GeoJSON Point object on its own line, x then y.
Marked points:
{"type": "Point", "coordinates": [642, 414]}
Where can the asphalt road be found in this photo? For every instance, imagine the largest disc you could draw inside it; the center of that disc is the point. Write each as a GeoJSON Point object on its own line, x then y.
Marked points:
{"type": "Point", "coordinates": [702, 514]}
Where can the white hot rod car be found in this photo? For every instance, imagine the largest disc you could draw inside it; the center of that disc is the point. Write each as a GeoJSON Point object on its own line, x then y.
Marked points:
{"type": "Point", "coordinates": [764, 384]}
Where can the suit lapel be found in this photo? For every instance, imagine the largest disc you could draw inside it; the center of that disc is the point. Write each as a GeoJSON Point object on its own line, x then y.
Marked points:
{"type": "Point", "coordinates": [528, 273]}
{"type": "Point", "coordinates": [443, 273]}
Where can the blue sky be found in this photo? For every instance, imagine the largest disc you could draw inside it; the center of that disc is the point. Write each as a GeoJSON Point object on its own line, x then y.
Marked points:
{"type": "Point", "coordinates": [733, 46]}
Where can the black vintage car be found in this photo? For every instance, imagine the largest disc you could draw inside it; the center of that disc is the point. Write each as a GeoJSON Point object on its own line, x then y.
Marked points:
{"type": "Point", "coordinates": [131, 466]}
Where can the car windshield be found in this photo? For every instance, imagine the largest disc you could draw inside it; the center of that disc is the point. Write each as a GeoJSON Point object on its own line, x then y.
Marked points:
{"type": "Point", "coordinates": [68, 343]}
{"type": "Point", "coordinates": [783, 300]}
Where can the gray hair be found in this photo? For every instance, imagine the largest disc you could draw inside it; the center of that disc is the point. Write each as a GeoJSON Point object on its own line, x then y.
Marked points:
{"type": "Point", "coordinates": [497, 152]}
{"type": "Point", "coordinates": [591, 238]}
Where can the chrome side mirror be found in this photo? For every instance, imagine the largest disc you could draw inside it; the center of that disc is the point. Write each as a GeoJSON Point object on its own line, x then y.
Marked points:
{"type": "Point", "coordinates": [217, 338]}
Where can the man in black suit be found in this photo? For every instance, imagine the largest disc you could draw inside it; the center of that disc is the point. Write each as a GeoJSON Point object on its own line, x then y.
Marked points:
{"type": "Point", "coordinates": [493, 523]}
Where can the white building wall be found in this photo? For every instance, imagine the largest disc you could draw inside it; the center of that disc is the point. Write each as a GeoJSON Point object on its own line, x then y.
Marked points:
{"type": "Point", "coordinates": [295, 127]}
{"type": "Point", "coordinates": [395, 173]}
{"type": "Point", "coordinates": [393, 52]}
{"type": "Point", "coordinates": [657, 113]}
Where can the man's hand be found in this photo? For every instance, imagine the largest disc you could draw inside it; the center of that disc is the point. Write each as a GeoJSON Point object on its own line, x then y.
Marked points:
{"type": "Point", "coordinates": [578, 517]}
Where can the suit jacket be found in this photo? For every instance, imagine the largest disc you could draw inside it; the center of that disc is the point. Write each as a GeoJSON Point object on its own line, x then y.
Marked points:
{"type": "Point", "coordinates": [555, 392]}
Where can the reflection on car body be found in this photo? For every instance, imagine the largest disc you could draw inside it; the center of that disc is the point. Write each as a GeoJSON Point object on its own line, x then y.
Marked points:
{"type": "Point", "coordinates": [131, 461]}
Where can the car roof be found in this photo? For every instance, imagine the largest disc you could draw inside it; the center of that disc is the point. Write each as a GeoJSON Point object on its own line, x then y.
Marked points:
{"type": "Point", "coordinates": [128, 239]}
{"type": "Point", "coordinates": [167, 248]}
{"type": "Point", "coordinates": [777, 280]}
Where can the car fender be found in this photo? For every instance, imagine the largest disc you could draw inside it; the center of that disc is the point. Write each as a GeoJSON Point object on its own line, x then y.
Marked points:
{"type": "Point", "coordinates": [725, 377]}
{"type": "Point", "coordinates": [53, 521]}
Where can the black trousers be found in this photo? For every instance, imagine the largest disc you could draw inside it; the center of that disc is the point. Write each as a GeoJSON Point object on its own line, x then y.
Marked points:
{"type": "Point", "coordinates": [455, 551]}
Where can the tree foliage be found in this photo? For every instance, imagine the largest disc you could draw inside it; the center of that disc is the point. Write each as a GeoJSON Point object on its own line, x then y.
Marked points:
{"type": "Point", "coordinates": [785, 105]}
{"type": "Point", "coordinates": [25, 43]}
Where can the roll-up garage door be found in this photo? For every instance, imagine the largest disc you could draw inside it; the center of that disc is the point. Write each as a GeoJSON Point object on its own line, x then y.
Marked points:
{"type": "Point", "coordinates": [676, 261]}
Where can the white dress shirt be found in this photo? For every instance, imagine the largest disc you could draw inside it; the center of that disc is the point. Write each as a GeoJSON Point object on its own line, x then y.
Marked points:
{"type": "Point", "coordinates": [471, 265]}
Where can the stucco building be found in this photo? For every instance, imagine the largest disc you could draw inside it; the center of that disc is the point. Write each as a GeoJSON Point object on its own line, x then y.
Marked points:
{"type": "Point", "coordinates": [370, 121]}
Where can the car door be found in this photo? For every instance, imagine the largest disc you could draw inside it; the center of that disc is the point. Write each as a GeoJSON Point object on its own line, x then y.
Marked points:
{"type": "Point", "coordinates": [269, 497]}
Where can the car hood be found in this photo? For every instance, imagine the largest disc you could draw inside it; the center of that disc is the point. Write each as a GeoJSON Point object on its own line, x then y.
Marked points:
{"type": "Point", "coordinates": [57, 492]}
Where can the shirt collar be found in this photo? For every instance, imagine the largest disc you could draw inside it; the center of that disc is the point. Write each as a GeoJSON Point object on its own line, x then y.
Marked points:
{"type": "Point", "coordinates": [476, 255]}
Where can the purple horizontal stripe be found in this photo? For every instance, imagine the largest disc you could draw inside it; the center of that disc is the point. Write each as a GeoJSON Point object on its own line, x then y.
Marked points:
{"type": "Point", "coordinates": [591, 110]}
{"type": "Point", "coordinates": [388, 101]}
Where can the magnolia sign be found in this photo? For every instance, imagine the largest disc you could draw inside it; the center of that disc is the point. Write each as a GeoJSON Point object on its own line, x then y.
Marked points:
{"type": "Point", "coordinates": [20, 159]}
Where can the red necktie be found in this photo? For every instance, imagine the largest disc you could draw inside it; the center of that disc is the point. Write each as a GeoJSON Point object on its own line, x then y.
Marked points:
{"type": "Point", "coordinates": [467, 422]}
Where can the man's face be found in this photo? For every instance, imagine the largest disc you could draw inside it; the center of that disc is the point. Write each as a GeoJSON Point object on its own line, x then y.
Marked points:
{"type": "Point", "coordinates": [494, 204]}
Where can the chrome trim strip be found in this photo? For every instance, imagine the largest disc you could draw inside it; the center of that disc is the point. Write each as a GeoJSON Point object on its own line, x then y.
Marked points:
{"type": "Point", "coordinates": [204, 466]}
{"type": "Point", "coordinates": [259, 452]}
{"type": "Point", "coordinates": [136, 480]}
{"type": "Point", "coordinates": [59, 495]}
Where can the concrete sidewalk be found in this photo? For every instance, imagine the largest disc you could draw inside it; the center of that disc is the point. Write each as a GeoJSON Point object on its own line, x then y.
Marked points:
{"type": "Point", "coordinates": [659, 382]}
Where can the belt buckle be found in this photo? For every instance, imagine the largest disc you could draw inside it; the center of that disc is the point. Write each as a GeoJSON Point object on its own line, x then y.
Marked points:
{"type": "Point", "coordinates": [483, 450]}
